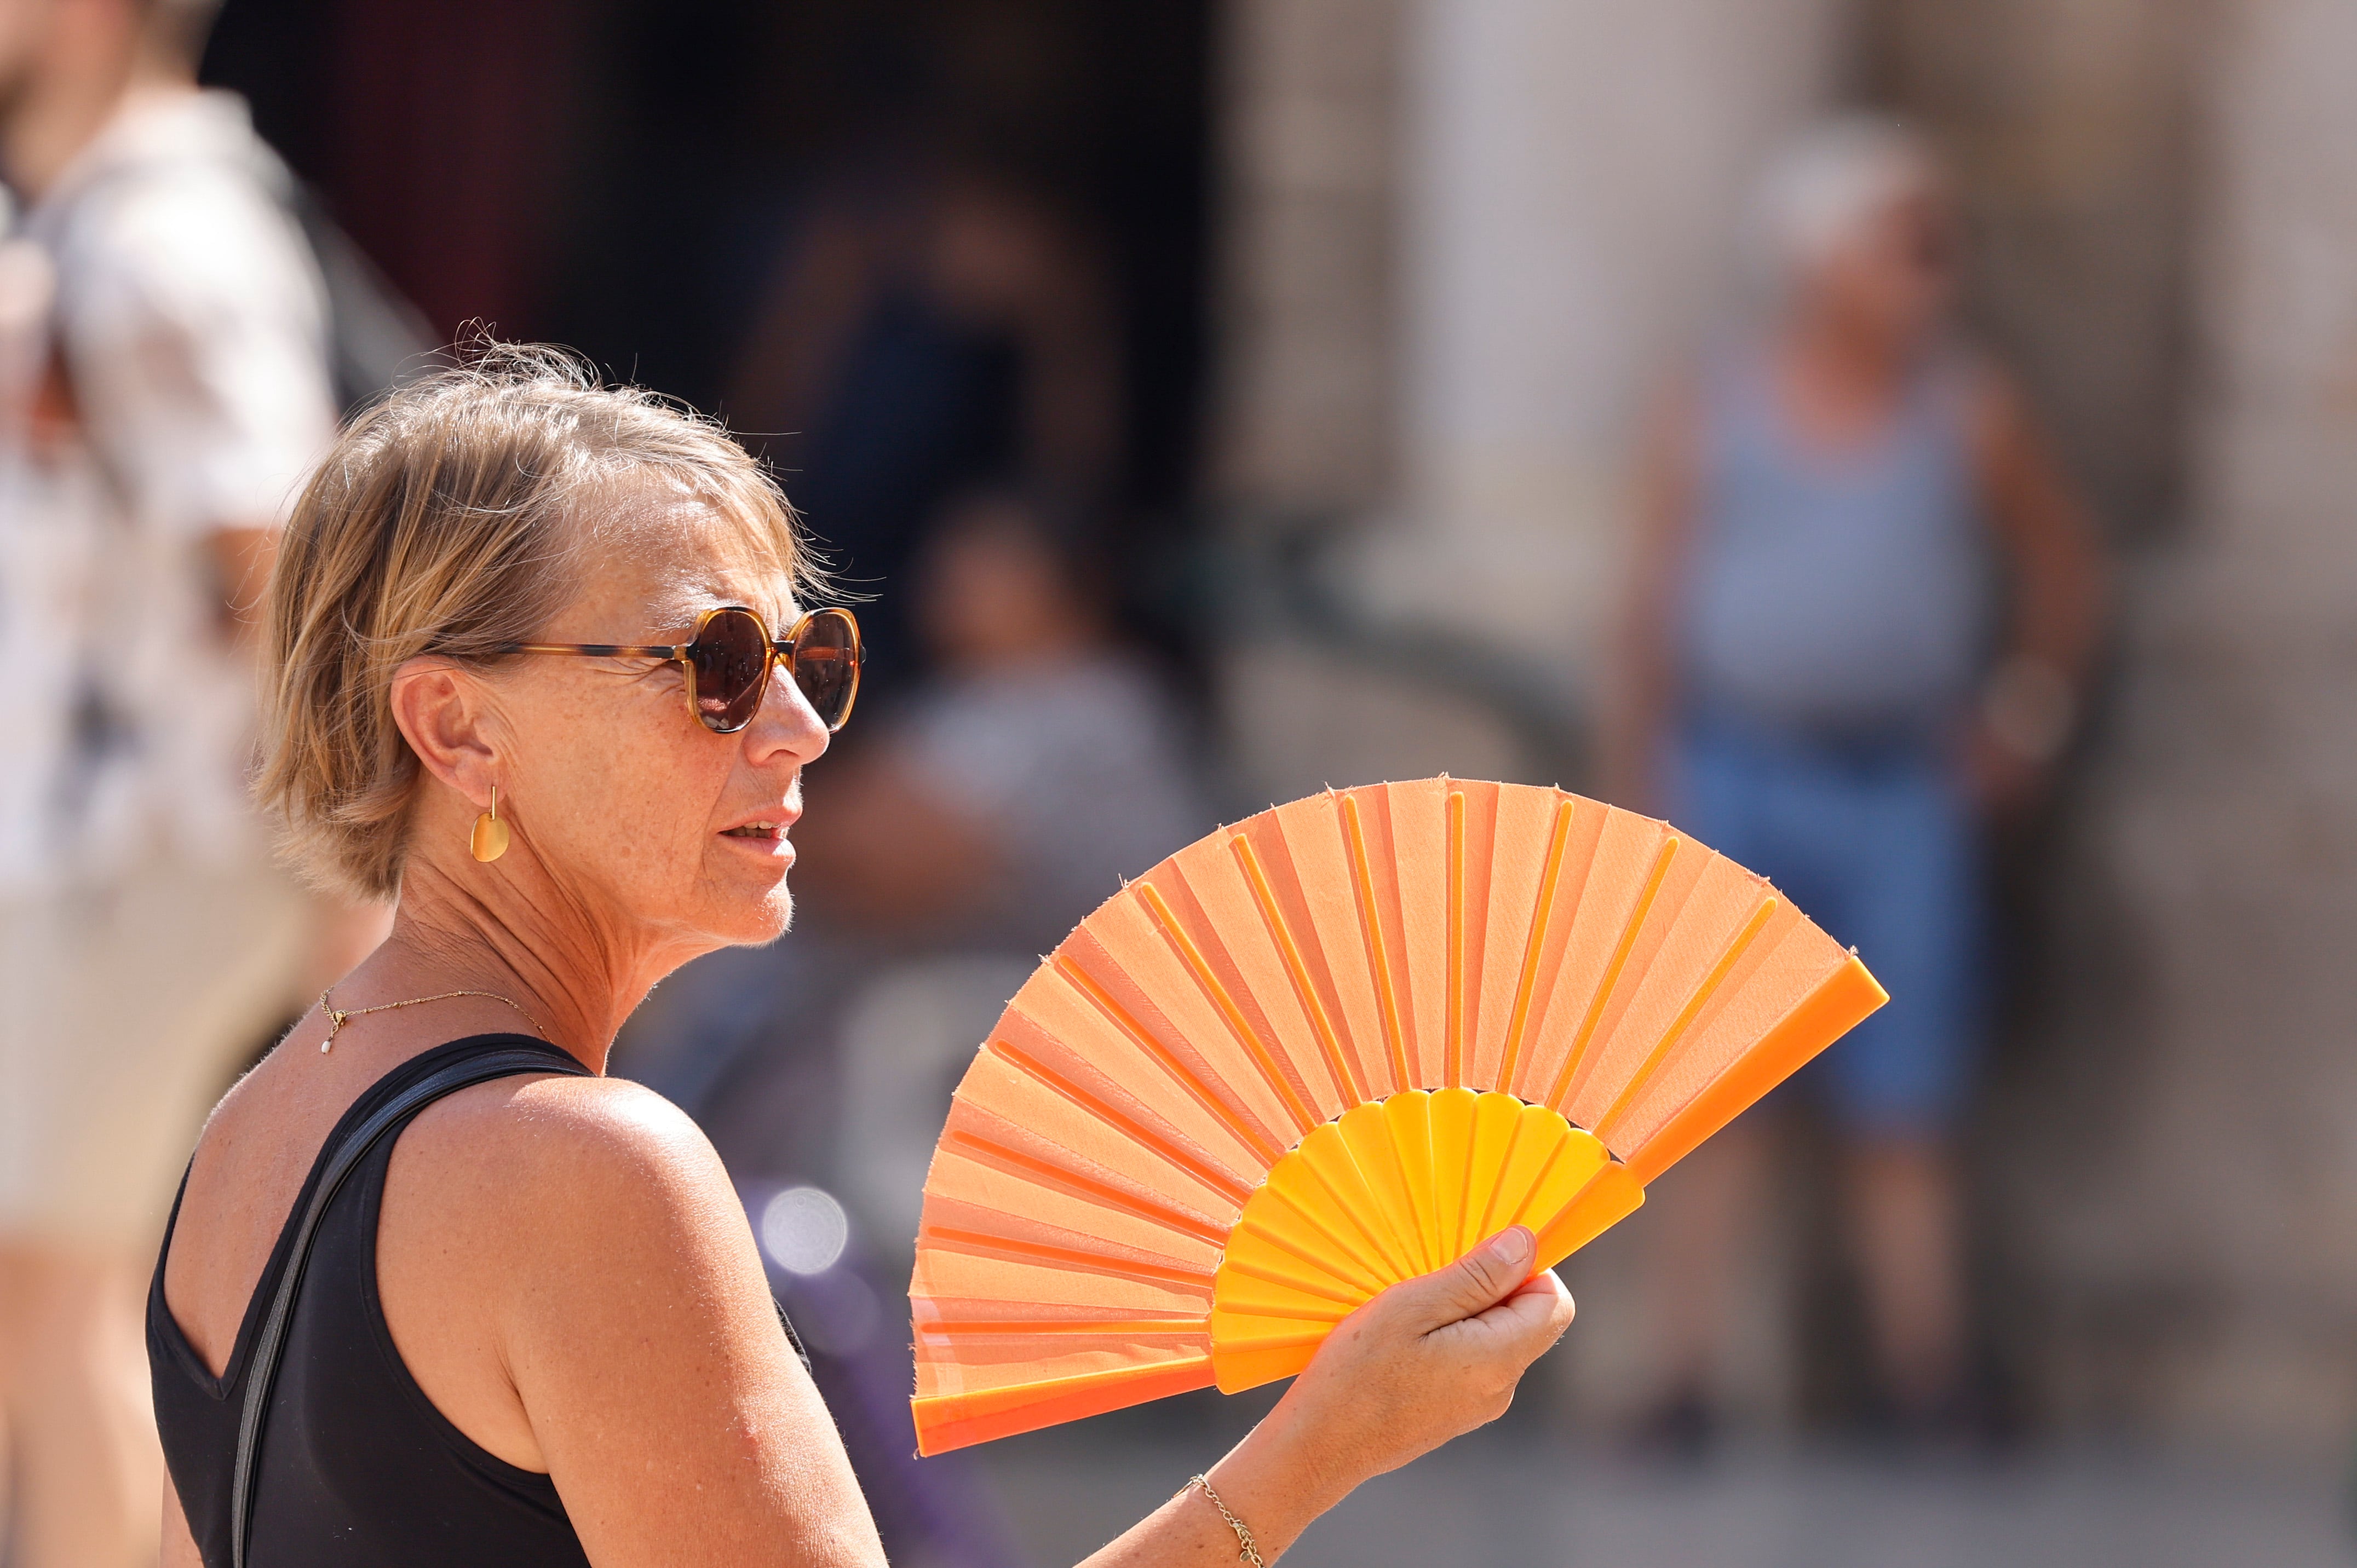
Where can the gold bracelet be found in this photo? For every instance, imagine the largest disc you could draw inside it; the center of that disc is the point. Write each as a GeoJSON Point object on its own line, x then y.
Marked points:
{"type": "Point", "coordinates": [1248, 1553]}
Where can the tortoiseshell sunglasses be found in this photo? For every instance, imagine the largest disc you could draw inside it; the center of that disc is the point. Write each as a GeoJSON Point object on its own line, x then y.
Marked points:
{"type": "Point", "coordinates": [730, 658]}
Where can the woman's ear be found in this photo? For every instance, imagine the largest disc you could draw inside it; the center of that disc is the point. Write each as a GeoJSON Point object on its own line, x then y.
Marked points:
{"type": "Point", "coordinates": [442, 712]}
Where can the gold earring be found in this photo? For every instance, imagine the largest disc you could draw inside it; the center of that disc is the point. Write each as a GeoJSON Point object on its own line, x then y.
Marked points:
{"type": "Point", "coordinates": [489, 839]}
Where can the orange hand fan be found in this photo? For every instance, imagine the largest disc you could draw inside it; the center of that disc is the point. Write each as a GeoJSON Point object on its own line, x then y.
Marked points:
{"type": "Point", "coordinates": [1327, 1049]}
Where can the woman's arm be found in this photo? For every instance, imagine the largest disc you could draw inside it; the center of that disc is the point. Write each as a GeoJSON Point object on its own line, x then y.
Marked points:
{"type": "Point", "coordinates": [636, 1326]}
{"type": "Point", "coordinates": [2054, 569]}
{"type": "Point", "coordinates": [635, 1323]}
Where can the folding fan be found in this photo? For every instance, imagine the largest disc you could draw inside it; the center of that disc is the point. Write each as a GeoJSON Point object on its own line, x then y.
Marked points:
{"type": "Point", "coordinates": [1327, 1049]}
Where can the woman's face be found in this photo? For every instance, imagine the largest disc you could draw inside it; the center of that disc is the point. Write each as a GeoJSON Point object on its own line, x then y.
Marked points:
{"type": "Point", "coordinates": [640, 814]}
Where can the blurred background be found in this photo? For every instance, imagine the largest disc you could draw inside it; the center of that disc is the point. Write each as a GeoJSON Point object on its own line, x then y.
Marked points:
{"type": "Point", "coordinates": [1216, 397]}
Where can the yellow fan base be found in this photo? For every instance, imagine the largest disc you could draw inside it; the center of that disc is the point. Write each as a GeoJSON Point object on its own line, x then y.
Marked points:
{"type": "Point", "coordinates": [1327, 1049]}
{"type": "Point", "coordinates": [1394, 1190]}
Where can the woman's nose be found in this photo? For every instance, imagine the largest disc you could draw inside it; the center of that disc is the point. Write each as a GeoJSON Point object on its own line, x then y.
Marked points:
{"type": "Point", "coordinates": [787, 722]}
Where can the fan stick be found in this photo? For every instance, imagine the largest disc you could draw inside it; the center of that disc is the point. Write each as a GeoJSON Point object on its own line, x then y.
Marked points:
{"type": "Point", "coordinates": [1328, 1158]}
{"type": "Point", "coordinates": [1370, 1281]}
{"type": "Point", "coordinates": [1230, 1013]}
{"type": "Point", "coordinates": [1067, 1257]}
{"type": "Point", "coordinates": [947, 1326]}
{"type": "Point", "coordinates": [1307, 1287]}
{"type": "Point", "coordinates": [1315, 1209]}
{"type": "Point", "coordinates": [1542, 912]}
{"type": "Point", "coordinates": [1370, 923]}
{"type": "Point", "coordinates": [1453, 1071]}
{"type": "Point", "coordinates": [958, 1419]}
{"type": "Point", "coordinates": [1636, 922]}
{"type": "Point", "coordinates": [1162, 1057]}
{"type": "Point", "coordinates": [1346, 1082]}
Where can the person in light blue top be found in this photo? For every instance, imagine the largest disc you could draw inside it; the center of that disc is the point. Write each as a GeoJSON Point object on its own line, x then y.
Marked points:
{"type": "Point", "coordinates": [1863, 604]}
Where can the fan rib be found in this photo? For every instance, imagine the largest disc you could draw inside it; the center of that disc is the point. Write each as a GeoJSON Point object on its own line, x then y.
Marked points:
{"type": "Point", "coordinates": [1350, 1210]}
{"type": "Point", "coordinates": [1346, 1082]}
{"type": "Point", "coordinates": [1367, 1279]}
{"type": "Point", "coordinates": [947, 1327]}
{"type": "Point", "coordinates": [1541, 913]}
{"type": "Point", "coordinates": [1162, 1057]}
{"type": "Point", "coordinates": [1230, 1013]}
{"type": "Point", "coordinates": [1376, 1154]}
{"type": "Point", "coordinates": [1067, 1257]}
{"type": "Point", "coordinates": [1608, 1122]}
{"type": "Point", "coordinates": [1453, 1069]}
{"type": "Point", "coordinates": [1636, 923]}
{"type": "Point", "coordinates": [1371, 926]}
{"type": "Point", "coordinates": [945, 1422]}
{"type": "Point", "coordinates": [1373, 1265]}
{"type": "Point", "coordinates": [1518, 1215]}
{"type": "Point", "coordinates": [1103, 1192]}
{"type": "Point", "coordinates": [1498, 1184]}
{"type": "Point", "coordinates": [1268, 1277]}
{"type": "Point", "coordinates": [1211, 1175]}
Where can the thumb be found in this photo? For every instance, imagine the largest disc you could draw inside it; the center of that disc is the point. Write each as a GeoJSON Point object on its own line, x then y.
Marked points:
{"type": "Point", "coordinates": [1474, 1282]}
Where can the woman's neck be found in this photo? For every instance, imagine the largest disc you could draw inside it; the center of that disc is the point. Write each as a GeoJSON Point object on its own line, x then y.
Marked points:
{"type": "Point", "coordinates": [454, 932]}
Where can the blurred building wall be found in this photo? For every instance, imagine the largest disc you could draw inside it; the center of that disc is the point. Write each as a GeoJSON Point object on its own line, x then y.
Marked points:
{"type": "Point", "coordinates": [1465, 234]}
{"type": "Point", "coordinates": [2188, 1184]}
{"type": "Point", "coordinates": [1573, 176]}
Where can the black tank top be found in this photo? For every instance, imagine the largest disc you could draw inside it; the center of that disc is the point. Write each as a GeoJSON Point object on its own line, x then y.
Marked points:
{"type": "Point", "coordinates": [357, 1468]}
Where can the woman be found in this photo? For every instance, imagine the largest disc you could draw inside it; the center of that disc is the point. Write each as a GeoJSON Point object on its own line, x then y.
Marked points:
{"type": "Point", "coordinates": [1822, 685]}
{"type": "Point", "coordinates": [534, 1328]}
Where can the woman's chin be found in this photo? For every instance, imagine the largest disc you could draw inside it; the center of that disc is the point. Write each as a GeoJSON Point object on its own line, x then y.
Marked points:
{"type": "Point", "coordinates": [741, 912]}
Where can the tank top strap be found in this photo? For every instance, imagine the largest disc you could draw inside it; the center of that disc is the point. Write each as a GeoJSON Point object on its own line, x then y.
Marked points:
{"type": "Point", "coordinates": [164, 1329]}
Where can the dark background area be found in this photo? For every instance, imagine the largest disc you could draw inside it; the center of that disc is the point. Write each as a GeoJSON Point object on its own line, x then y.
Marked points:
{"type": "Point", "coordinates": [623, 176]}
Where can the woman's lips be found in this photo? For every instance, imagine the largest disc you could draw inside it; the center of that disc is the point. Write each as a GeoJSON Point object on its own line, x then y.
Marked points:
{"type": "Point", "coordinates": [775, 830]}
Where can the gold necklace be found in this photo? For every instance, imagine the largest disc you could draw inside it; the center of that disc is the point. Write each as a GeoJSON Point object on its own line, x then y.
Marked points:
{"type": "Point", "coordinates": [339, 1016]}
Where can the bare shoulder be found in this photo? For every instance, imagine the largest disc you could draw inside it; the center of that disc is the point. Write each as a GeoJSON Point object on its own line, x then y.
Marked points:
{"type": "Point", "coordinates": [536, 1150]}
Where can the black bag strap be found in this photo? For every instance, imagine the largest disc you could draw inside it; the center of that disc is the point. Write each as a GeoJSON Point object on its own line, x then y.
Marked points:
{"type": "Point", "coordinates": [346, 1156]}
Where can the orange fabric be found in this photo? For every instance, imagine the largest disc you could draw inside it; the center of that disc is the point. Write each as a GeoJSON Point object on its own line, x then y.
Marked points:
{"type": "Point", "coordinates": [1834, 1009]}
{"type": "Point", "coordinates": [1201, 1135]}
{"type": "Point", "coordinates": [954, 1420]}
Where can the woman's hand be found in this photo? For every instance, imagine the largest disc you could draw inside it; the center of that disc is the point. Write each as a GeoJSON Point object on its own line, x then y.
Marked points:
{"type": "Point", "coordinates": [1428, 1359]}
{"type": "Point", "coordinates": [1421, 1363]}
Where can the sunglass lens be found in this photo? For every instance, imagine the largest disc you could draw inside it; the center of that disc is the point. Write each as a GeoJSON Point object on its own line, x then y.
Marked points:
{"type": "Point", "coordinates": [827, 664]}
{"type": "Point", "coordinates": [731, 658]}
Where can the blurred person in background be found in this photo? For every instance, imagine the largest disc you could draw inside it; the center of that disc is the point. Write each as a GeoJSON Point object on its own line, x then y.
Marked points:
{"type": "Point", "coordinates": [1018, 786]}
{"type": "Point", "coordinates": [163, 385]}
{"type": "Point", "coordinates": [1862, 607]}
{"type": "Point", "coordinates": [931, 325]}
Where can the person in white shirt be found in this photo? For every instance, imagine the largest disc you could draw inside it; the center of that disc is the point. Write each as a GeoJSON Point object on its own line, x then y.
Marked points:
{"type": "Point", "coordinates": [164, 384]}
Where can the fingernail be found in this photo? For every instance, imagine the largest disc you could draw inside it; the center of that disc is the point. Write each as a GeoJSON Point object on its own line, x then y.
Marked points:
{"type": "Point", "coordinates": [1513, 1245]}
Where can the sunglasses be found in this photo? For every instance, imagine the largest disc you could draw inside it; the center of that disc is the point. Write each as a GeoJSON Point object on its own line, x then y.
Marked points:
{"type": "Point", "coordinates": [730, 658]}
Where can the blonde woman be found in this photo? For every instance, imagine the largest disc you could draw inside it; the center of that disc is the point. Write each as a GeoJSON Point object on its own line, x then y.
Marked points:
{"type": "Point", "coordinates": [540, 675]}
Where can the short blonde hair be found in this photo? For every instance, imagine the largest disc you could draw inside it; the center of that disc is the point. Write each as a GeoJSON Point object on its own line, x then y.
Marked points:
{"type": "Point", "coordinates": [447, 520]}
